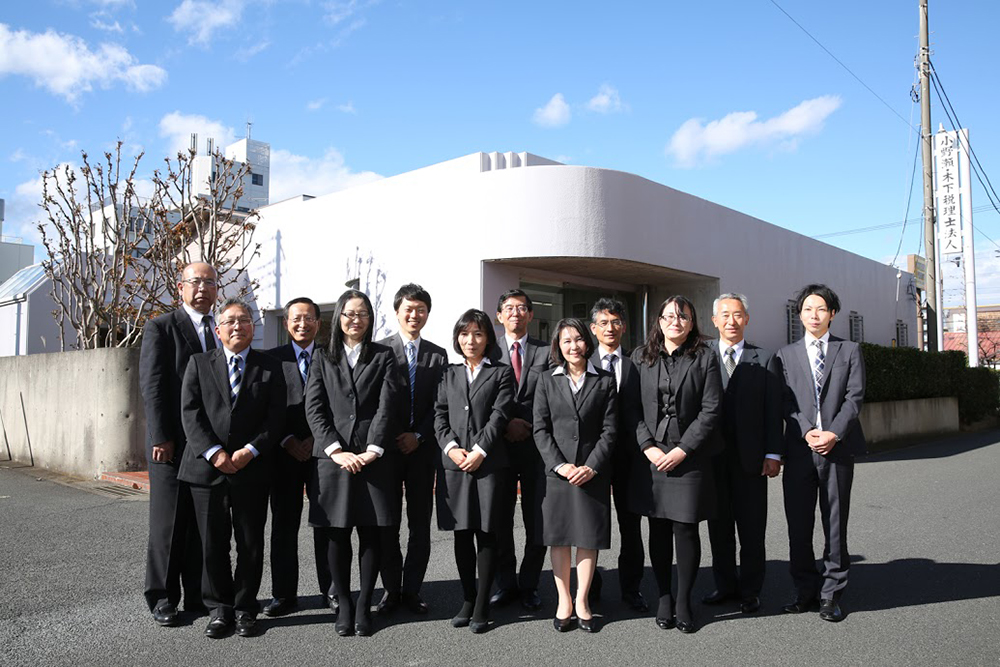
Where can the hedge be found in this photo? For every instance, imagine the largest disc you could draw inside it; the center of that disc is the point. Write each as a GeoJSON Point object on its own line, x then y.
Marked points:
{"type": "Point", "coordinates": [902, 373]}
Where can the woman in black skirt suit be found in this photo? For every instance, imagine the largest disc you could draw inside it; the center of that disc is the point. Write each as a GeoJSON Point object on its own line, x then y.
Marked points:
{"type": "Point", "coordinates": [474, 402]}
{"type": "Point", "coordinates": [575, 415]}
{"type": "Point", "coordinates": [676, 426]}
{"type": "Point", "coordinates": [348, 402]}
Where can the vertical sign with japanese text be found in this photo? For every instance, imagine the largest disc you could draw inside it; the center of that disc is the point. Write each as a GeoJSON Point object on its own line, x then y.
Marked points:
{"type": "Point", "coordinates": [949, 192]}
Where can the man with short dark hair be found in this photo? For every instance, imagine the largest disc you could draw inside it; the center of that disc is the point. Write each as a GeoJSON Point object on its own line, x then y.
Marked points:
{"type": "Point", "coordinates": [232, 407]}
{"type": "Point", "coordinates": [419, 364]}
{"type": "Point", "coordinates": [291, 465]}
{"type": "Point", "coordinates": [529, 358]}
{"type": "Point", "coordinates": [751, 431]}
{"type": "Point", "coordinates": [824, 389]}
{"type": "Point", "coordinates": [608, 323]}
{"type": "Point", "coordinates": [168, 341]}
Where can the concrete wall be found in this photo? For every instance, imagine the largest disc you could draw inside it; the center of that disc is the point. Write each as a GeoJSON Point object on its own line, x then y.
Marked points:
{"type": "Point", "coordinates": [896, 420]}
{"type": "Point", "coordinates": [82, 411]}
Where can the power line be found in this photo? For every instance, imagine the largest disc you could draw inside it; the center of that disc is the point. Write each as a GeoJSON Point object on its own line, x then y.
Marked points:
{"type": "Point", "coordinates": [889, 225]}
{"type": "Point", "coordinates": [846, 68]}
{"type": "Point", "coordinates": [909, 198]}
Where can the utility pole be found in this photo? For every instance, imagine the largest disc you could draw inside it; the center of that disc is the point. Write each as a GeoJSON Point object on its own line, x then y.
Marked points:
{"type": "Point", "coordinates": [930, 283]}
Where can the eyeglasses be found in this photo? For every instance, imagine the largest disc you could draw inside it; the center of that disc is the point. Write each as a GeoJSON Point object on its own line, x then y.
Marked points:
{"type": "Point", "coordinates": [304, 319]}
{"type": "Point", "coordinates": [604, 324]}
{"type": "Point", "coordinates": [671, 318]}
{"type": "Point", "coordinates": [510, 310]}
{"type": "Point", "coordinates": [243, 321]}
{"type": "Point", "coordinates": [201, 282]}
{"type": "Point", "coordinates": [360, 315]}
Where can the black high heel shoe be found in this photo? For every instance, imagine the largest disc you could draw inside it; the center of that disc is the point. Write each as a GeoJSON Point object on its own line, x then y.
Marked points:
{"type": "Point", "coordinates": [345, 620]}
{"type": "Point", "coordinates": [562, 624]}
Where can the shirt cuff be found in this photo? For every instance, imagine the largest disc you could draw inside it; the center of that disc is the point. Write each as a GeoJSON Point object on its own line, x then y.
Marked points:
{"type": "Point", "coordinates": [773, 457]}
{"type": "Point", "coordinates": [285, 441]}
{"type": "Point", "coordinates": [477, 448]}
{"type": "Point", "coordinates": [450, 446]}
{"type": "Point", "coordinates": [559, 467]}
{"type": "Point", "coordinates": [332, 449]}
{"type": "Point", "coordinates": [253, 450]}
{"type": "Point", "coordinates": [376, 450]}
{"type": "Point", "coordinates": [211, 452]}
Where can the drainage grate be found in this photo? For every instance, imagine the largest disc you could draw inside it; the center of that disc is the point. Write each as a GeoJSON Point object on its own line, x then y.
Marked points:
{"type": "Point", "coordinates": [118, 491]}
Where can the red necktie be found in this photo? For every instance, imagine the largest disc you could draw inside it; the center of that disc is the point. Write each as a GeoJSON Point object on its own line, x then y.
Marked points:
{"type": "Point", "coordinates": [515, 360]}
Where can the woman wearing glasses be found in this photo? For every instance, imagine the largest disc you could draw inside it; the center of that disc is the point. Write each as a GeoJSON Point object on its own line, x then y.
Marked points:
{"type": "Point", "coordinates": [676, 426]}
{"type": "Point", "coordinates": [474, 402]}
{"type": "Point", "coordinates": [348, 401]}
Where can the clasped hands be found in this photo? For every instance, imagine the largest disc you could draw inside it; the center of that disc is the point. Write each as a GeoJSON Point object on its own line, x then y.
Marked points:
{"type": "Point", "coordinates": [230, 465]}
{"type": "Point", "coordinates": [664, 462]}
{"type": "Point", "coordinates": [353, 463]}
{"type": "Point", "coordinates": [466, 461]}
{"type": "Point", "coordinates": [821, 442]}
{"type": "Point", "coordinates": [576, 475]}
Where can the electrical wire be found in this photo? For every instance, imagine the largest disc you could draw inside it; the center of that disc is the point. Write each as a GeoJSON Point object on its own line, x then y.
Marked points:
{"type": "Point", "coordinates": [909, 199]}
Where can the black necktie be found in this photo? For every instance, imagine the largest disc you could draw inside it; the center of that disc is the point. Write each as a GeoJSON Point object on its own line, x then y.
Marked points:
{"type": "Point", "coordinates": [206, 323]}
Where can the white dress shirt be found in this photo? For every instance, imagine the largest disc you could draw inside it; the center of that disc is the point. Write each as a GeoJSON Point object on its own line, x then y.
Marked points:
{"type": "Point", "coordinates": [199, 326]}
{"type": "Point", "coordinates": [737, 349]}
{"type": "Point", "coordinates": [812, 353]}
{"type": "Point", "coordinates": [604, 352]}
{"type": "Point", "coordinates": [229, 360]}
{"type": "Point", "coordinates": [352, 354]}
{"type": "Point", "coordinates": [471, 373]}
{"type": "Point", "coordinates": [407, 341]}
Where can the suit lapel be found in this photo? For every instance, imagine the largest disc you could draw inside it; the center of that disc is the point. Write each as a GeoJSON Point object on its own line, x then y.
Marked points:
{"type": "Point", "coordinates": [480, 380]}
{"type": "Point", "coordinates": [832, 349]}
{"type": "Point", "coordinates": [586, 390]}
{"type": "Point", "coordinates": [345, 369]}
{"type": "Point", "coordinates": [722, 363]}
{"type": "Point", "coordinates": [220, 371]}
{"type": "Point", "coordinates": [250, 373]}
{"type": "Point", "coordinates": [565, 391]}
{"type": "Point", "coordinates": [187, 330]}
{"type": "Point", "coordinates": [684, 363]}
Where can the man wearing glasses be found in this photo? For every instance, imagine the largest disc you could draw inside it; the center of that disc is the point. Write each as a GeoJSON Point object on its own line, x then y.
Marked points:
{"type": "Point", "coordinates": [174, 553]}
{"type": "Point", "coordinates": [291, 465]}
{"type": "Point", "coordinates": [608, 326]}
{"type": "Point", "coordinates": [232, 406]}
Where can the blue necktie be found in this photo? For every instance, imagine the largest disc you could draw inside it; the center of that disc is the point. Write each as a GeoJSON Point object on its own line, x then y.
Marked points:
{"type": "Point", "coordinates": [235, 377]}
{"type": "Point", "coordinates": [304, 365]}
{"type": "Point", "coordinates": [411, 360]}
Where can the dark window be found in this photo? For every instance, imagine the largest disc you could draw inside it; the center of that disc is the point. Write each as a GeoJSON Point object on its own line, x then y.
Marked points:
{"type": "Point", "coordinates": [257, 179]}
{"type": "Point", "coordinates": [857, 327]}
{"type": "Point", "coordinates": [793, 323]}
{"type": "Point", "coordinates": [902, 334]}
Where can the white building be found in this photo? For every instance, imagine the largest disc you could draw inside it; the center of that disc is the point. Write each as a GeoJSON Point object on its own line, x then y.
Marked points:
{"type": "Point", "coordinates": [255, 154]}
{"type": "Point", "coordinates": [14, 253]}
{"type": "Point", "coordinates": [470, 228]}
{"type": "Point", "coordinates": [26, 322]}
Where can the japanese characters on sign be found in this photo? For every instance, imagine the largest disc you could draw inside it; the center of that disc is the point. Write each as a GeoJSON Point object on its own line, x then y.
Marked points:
{"type": "Point", "coordinates": [949, 191]}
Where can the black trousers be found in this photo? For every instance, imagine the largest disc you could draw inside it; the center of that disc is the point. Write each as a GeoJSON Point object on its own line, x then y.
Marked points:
{"type": "Point", "coordinates": [663, 533]}
{"type": "Point", "coordinates": [742, 508]}
{"type": "Point", "coordinates": [415, 474]}
{"type": "Point", "coordinates": [222, 511]}
{"type": "Point", "coordinates": [528, 469]}
{"type": "Point", "coordinates": [632, 557]}
{"type": "Point", "coordinates": [808, 476]}
{"type": "Point", "coordinates": [173, 555]}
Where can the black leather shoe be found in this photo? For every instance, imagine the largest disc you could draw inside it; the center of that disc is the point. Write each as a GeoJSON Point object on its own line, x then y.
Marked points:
{"type": "Point", "coordinates": [414, 603]}
{"type": "Point", "coordinates": [829, 610]}
{"type": "Point", "coordinates": [463, 617]}
{"type": "Point", "coordinates": [388, 604]}
{"type": "Point", "coordinates": [800, 606]}
{"type": "Point", "coordinates": [666, 623]}
{"type": "Point", "coordinates": [635, 601]}
{"type": "Point", "coordinates": [281, 606]}
{"type": "Point", "coordinates": [589, 624]}
{"type": "Point", "coordinates": [334, 603]}
{"type": "Point", "coordinates": [479, 627]}
{"type": "Point", "coordinates": [503, 597]}
{"type": "Point", "coordinates": [363, 625]}
{"type": "Point", "coordinates": [562, 624]}
{"type": "Point", "coordinates": [531, 601]}
{"type": "Point", "coordinates": [750, 605]}
{"type": "Point", "coordinates": [246, 625]}
{"type": "Point", "coordinates": [687, 627]}
{"type": "Point", "coordinates": [165, 614]}
{"type": "Point", "coordinates": [345, 621]}
{"type": "Point", "coordinates": [218, 628]}
{"type": "Point", "coordinates": [717, 597]}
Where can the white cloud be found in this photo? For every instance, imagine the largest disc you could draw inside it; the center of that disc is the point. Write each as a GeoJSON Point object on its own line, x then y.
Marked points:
{"type": "Point", "coordinates": [338, 11]}
{"type": "Point", "coordinates": [607, 100]}
{"type": "Point", "coordinates": [247, 52]}
{"type": "Point", "coordinates": [201, 18]}
{"type": "Point", "coordinates": [696, 141]}
{"type": "Point", "coordinates": [315, 105]}
{"type": "Point", "coordinates": [177, 127]}
{"type": "Point", "coordinates": [554, 114]}
{"type": "Point", "coordinates": [347, 108]}
{"type": "Point", "coordinates": [99, 24]}
{"type": "Point", "coordinates": [293, 175]}
{"type": "Point", "coordinates": [66, 66]}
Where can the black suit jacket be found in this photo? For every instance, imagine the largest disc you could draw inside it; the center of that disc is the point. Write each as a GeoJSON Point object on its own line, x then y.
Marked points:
{"type": "Point", "coordinates": [257, 417]}
{"type": "Point", "coordinates": [841, 397]}
{"type": "Point", "coordinates": [752, 406]}
{"type": "Point", "coordinates": [628, 395]}
{"type": "Point", "coordinates": [431, 362]}
{"type": "Point", "coordinates": [295, 405]}
{"type": "Point", "coordinates": [352, 406]}
{"type": "Point", "coordinates": [578, 429]}
{"type": "Point", "coordinates": [475, 414]}
{"type": "Point", "coordinates": [697, 400]}
{"type": "Point", "coordinates": [168, 341]}
{"type": "Point", "coordinates": [534, 362]}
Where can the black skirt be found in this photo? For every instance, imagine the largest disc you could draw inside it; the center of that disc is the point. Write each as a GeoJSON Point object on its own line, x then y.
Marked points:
{"type": "Point", "coordinates": [578, 516]}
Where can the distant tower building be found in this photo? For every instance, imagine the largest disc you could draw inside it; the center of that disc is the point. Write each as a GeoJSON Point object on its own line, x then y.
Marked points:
{"type": "Point", "coordinates": [256, 154]}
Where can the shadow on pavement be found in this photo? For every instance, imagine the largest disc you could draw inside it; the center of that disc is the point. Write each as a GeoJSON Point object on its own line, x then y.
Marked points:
{"type": "Point", "coordinates": [936, 449]}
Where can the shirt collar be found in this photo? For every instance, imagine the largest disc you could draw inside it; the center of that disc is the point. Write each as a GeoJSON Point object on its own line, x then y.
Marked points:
{"type": "Point", "coordinates": [737, 348]}
{"type": "Point", "coordinates": [825, 338]}
{"type": "Point", "coordinates": [485, 362]}
{"type": "Point", "coordinates": [523, 340]}
{"type": "Point", "coordinates": [603, 351]}
{"type": "Point", "coordinates": [307, 349]}
{"type": "Point", "coordinates": [195, 316]}
{"type": "Point", "coordinates": [407, 341]}
{"type": "Point", "coordinates": [230, 355]}
{"type": "Point", "coordinates": [561, 370]}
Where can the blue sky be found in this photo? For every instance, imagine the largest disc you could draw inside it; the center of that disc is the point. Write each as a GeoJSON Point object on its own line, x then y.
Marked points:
{"type": "Point", "coordinates": [726, 100]}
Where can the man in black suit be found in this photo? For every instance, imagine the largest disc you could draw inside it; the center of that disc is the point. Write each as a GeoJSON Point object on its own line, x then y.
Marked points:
{"type": "Point", "coordinates": [291, 465]}
{"type": "Point", "coordinates": [751, 429]}
{"type": "Point", "coordinates": [232, 407]}
{"type": "Point", "coordinates": [529, 357]}
{"type": "Point", "coordinates": [824, 389]}
{"type": "Point", "coordinates": [419, 364]}
{"type": "Point", "coordinates": [608, 324]}
{"type": "Point", "coordinates": [168, 341]}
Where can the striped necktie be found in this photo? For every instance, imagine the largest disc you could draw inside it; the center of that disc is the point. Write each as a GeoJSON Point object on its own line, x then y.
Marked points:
{"type": "Point", "coordinates": [610, 365]}
{"type": "Point", "coordinates": [730, 360]}
{"type": "Point", "coordinates": [235, 377]}
{"type": "Point", "coordinates": [304, 365]}
{"type": "Point", "coordinates": [819, 365]}
{"type": "Point", "coordinates": [411, 362]}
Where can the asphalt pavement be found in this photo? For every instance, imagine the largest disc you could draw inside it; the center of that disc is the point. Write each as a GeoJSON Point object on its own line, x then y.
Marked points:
{"type": "Point", "coordinates": [924, 587]}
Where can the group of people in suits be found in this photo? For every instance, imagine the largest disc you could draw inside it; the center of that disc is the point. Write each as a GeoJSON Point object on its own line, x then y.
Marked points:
{"type": "Point", "coordinates": [682, 430]}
